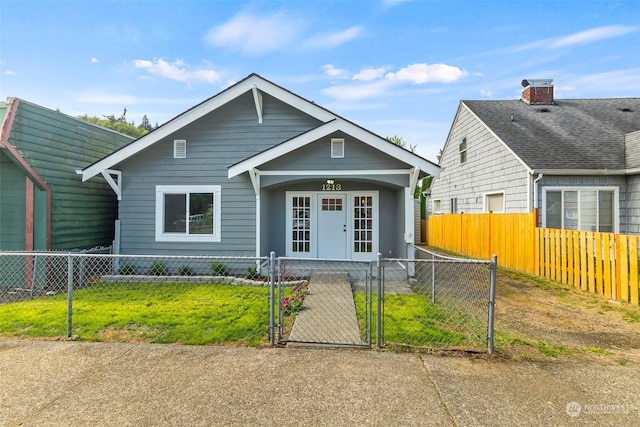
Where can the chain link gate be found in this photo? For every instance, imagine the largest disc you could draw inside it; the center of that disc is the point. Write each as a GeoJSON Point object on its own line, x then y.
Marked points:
{"type": "Point", "coordinates": [322, 301]}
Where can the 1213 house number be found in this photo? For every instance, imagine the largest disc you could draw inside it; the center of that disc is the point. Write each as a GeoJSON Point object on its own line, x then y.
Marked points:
{"type": "Point", "coordinates": [331, 187]}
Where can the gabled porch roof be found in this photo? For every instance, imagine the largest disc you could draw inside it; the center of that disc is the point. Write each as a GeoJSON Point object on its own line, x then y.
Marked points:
{"type": "Point", "coordinates": [413, 161]}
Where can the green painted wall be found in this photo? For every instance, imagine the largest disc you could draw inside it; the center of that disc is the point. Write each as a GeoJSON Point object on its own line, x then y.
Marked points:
{"type": "Point", "coordinates": [12, 205]}
{"type": "Point", "coordinates": [55, 146]}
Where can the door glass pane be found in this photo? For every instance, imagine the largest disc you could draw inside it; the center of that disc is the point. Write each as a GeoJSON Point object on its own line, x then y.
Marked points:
{"type": "Point", "coordinates": [605, 211]}
{"type": "Point", "coordinates": [301, 215]}
{"type": "Point", "coordinates": [554, 209]}
{"type": "Point", "coordinates": [201, 213]}
{"type": "Point", "coordinates": [571, 210]}
{"type": "Point", "coordinates": [175, 212]}
{"type": "Point", "coordinates": [588, 210]}
{"type": "Point", "coordinates": [363, 229]}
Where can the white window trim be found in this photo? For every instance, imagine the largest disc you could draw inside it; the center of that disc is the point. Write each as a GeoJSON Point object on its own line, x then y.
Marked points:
{"type": "Point", "coordinates": [616, 201]}
{"type": "Point", "coordinates": [460, 151]}
{"type": "Point", "coordinates": [485, 207]}
{"type": "Point", "coordinates": [179, 148]}
{"type": "Point", "coordinates": [433, 206]}
{"type": "Point", "coordinates": [337, 142]}
{"type": "Point", "coordinates": [161, 190]}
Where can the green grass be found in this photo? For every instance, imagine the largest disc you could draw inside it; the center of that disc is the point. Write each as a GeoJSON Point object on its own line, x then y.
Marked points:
{"type": "Point", "coordinates": [160, 313]}
{"type": "Point", "coordinates": [412, 320]}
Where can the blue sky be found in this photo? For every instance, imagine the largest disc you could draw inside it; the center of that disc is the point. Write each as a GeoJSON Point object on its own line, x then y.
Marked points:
{"type": "Point", "coordinates": [394, 67]}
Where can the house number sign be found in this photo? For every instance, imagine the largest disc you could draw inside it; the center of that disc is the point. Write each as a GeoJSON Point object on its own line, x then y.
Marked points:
{"type": "Point", "coordinates": [331, 187]}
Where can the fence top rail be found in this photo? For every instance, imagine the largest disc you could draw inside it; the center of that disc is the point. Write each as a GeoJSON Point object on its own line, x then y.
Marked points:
{"type": "Point", "coordinates": [441, 256]}
{"type": "Point", "coordinates": [439, 261]}
{"type": "Point", "coordinates": [314, 260]}
{"type": "Point", "coordinates": [121, 256]}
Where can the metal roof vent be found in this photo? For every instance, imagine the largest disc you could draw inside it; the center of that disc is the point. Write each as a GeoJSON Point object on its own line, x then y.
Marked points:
{"type": "Point", "coordinates": [625, 109]}
{"type": "Point", "coordinates": [544, 110]}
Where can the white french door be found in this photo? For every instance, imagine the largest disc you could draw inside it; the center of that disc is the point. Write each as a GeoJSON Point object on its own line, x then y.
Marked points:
{"type": "Point", "coordinates": [332, 225]}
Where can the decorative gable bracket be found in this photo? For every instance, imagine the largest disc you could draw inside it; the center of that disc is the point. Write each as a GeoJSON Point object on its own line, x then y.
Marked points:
{"type": "Point", "coordinates": [115, 184]}
{"type": "Point", "coordinates": [257, 98]}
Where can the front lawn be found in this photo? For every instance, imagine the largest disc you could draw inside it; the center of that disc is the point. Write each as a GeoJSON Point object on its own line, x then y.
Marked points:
{"type": "Point", "coordinates": [161, 313]}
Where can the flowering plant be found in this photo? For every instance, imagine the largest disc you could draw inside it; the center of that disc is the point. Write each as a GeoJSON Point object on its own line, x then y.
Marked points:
{"type": "Point", "coordinates": [293, 304]}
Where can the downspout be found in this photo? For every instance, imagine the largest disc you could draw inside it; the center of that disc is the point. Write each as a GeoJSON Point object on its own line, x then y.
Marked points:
{"type": "Point", "coordinates": [535, 190]}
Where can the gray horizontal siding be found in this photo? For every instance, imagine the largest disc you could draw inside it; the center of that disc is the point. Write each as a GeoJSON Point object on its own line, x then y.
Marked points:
{"type": "Point", "coordinates": [214, 142]}
{"type": "Point", "coordinates": [490, 167]}
{"type": "Point", "coordinates": [317, 156]}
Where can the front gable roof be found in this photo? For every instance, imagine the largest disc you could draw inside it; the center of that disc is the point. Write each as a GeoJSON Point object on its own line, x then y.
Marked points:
{"type": "Point", "coordinates": [571, 134]}
{"type": "Point", "coordinates": [257, 85]}
{"type": "Point", "coordinates": [329, 128]}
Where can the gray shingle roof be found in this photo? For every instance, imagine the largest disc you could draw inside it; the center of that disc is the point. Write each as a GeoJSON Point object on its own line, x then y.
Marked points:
{"type": "Point", "coordinates": [571, 134]}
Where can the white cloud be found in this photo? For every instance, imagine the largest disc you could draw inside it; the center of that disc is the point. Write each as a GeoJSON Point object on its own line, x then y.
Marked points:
{"type": "Point", "coordinates": [177, 71]}
{"type": "Point", "coordinates": [336, 73]}
{"type": "Point", "coordinates": [9, 73]}
{"type": "Point", "coordinates": [333, 39]}
{"type": "Point", "coordinates": [256, 34]}
{"type": "Point", "coordinates": [94, 60]}
{"type": "Point", "coordinates": [427, 73]}
{"type": "Point", "coordinates": [594, 35]}
{"type": "Point", "coordinates": [368, 74]}
{"type": "Point", "coordinates": [582, 37]}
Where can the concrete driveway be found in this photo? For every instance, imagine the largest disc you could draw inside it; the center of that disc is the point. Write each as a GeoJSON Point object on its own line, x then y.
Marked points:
{"type": "Point", "coordinates": [75, 384]}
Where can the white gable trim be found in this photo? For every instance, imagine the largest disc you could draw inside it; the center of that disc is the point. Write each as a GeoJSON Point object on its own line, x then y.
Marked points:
{"type": "Point", "coordinates": [251, 82]}
{"type": "Point", "coordinates": [338, 124]}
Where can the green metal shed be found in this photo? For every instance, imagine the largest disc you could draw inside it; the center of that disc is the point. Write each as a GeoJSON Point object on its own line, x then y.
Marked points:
{"type": "Point", "coordinates": [43, 203]}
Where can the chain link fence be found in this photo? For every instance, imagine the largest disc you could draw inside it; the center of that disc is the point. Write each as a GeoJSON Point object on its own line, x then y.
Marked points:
{"type": "Point", "coordinates": [440, 302]}
{"type": "Point", "coordinates": [429, 302]}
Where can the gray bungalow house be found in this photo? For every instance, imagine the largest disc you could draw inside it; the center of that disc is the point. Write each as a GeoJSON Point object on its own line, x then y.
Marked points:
{"type": "Point", "coordinates": [576, 160]}
{"type": "Point", "coordinates": [43, 205]}
{"type": "Point", "coordinates": [256, 168]}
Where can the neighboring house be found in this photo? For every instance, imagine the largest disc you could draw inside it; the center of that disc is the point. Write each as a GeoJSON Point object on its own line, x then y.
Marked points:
{"type": "Point", "coordinates": [256, 169]}
{"type": "Point", "coordinates": [577, 160]}
{"type": "Point", "coordinates": [43, 204]}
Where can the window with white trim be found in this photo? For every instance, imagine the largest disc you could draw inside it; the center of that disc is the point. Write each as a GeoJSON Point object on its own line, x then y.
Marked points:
{"type": "Point", "coordinates": [586, 209]}
{"type": "Point", "coordinates": [462, 150]}
{"type": "Point", "coordinates": [337, 148]}
{"type": "Point", "coordinates": [494, 203]}
{"type": "Point", "coordinates": [179, 148]}
{"type": "Point", "coordinates": [437, 209]}
{"type": "Point", "coordinates": [188, 213]}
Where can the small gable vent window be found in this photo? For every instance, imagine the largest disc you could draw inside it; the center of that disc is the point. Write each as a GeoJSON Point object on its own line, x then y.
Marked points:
{"type": "Point", "coordinates": [337, 148]}
{"type": "Point", "coordinates": [179, 148]}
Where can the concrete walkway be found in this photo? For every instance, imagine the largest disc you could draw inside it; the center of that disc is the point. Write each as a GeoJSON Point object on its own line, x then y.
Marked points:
{"type": "Point", "coordinates": [329, 314]}
{"type": "Point", "coordinates": [56, 383]}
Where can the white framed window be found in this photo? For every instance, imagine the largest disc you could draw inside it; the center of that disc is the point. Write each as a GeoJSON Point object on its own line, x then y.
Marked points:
{"type": "Point", "coordinates": [462, 150]}
{"type": "Point", "coordinates": [494, 202]}
{"type": "Point", "coordinates": [437, 208]}
{"type": "Point", "coordinates": [337, 148]}
{"type": "Point", "coordinates": [188, 213]}
{"type": "Point", "coordinates": [581, 208]}
{"type": "Point", "coordinates": [179, 148]}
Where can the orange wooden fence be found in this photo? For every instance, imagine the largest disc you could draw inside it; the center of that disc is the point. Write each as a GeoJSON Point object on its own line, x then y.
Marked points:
{"type": "Point", "coordinates": [601, 263]}
{"type": "Point", "coordinates": [510, 236]}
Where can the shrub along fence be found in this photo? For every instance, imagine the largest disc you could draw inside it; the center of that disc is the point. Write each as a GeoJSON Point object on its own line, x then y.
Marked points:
{"type": "Point", "coordinates": [602, 263]}
{"type": "Point", "coordinates": [431, 302]}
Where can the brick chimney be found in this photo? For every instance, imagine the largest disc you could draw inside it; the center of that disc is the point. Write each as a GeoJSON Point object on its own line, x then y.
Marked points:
{"type": "Point", "coordinates": [537, 91]}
